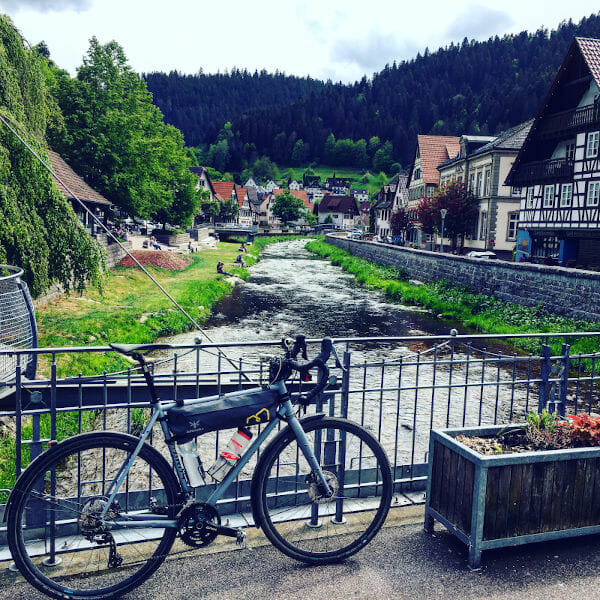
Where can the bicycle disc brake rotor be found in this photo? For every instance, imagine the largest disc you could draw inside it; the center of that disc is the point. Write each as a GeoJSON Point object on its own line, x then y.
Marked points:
{"type": "Point", "coordinates": [316, 494]}
{"type": "Point", "coordinates": [197, 524]}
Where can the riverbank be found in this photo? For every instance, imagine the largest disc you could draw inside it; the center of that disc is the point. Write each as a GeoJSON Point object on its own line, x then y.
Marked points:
{"type": "Point", "coordinates": [131, 308]}
{"type": "Point", "coordinates": [478, 312]}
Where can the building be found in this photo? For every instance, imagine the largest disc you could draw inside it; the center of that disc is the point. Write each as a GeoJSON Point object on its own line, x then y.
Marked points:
{"type": "Point", "coordinates": [391, 197]}
{"type": "Point", "coordinates": [245, 217]}
{"type": "Point", "coordinates": [270, 186]}
{"type": "Point", "coordinates": [204, 182]}
{"type": "Point", "coordinates": [424, 178]}
{"type": "Point", "coordinates": [337, 185]}
{"type": "Point", "coordinates": [360, 195]}
{"type": "Point", "coordinates": [558, 167]}
{"type": "Point", "coordinates": [341, 211]}
{"type": "Point", "coordinates": [295, 186]}
{"type": "Point", "coordinates": [225, 190]}
{"type": "Point", "coordinates": [97, 204]}
{"type": "Point", "coordinates": [483, 163]}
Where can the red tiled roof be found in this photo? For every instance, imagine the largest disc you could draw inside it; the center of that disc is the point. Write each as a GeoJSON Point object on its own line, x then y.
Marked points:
{"type": "Point", "coordinates": [434, 150]}
{"type": "Point", "coordinates": [241, 194]}
{"type": "Point", "coordinates": [77, 185]}
{"type": "Point", "coordinates": [224, 188]}
{"type": "Point", "coordinates": [590, 49]}
{"type": "Point", "coordinates": [298, 194]}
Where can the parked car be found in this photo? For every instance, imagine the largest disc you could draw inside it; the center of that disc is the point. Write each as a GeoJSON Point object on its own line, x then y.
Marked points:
{"type": "Point", "coordinates": [481, 254]}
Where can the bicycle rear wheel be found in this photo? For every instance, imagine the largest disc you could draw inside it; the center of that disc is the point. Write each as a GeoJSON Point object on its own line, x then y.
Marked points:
{"type": "Point", "coordinates": [55, 537]}
{"type": "Point", "coordinates": [293, 512]}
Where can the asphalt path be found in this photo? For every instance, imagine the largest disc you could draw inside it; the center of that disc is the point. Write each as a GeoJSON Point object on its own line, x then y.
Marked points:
{"type": "Point", "coordinates": [400, 563]}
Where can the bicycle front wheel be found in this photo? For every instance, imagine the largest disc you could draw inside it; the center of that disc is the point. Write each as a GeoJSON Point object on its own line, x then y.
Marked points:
{"type": "Point", "coordinates": [295, 514]}
{"type": "Point", "coordinates": [56, 537]}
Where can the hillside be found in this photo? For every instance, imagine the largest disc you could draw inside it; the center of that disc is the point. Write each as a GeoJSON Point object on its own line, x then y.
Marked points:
{"type": "Point", "coordinates": [469, 87]}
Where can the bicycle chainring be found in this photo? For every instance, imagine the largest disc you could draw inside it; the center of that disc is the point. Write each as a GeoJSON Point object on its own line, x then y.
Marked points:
{"type": "Point", "coordinates": [197, 524]}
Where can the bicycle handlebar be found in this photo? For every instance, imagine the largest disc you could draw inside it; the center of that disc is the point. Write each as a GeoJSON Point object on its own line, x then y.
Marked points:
{"type": "Point", "coordinates": [320, 361]}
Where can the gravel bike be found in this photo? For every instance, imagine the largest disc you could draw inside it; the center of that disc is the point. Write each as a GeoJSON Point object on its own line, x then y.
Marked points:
{"type": "Point", "coordinates": [95, 515]}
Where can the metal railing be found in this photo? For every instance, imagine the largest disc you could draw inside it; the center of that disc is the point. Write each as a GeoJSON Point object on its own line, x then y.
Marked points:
{"type": "Point", "coordinates": [399, 388]}
{"type": "Point", "coordinates": [570, 120]}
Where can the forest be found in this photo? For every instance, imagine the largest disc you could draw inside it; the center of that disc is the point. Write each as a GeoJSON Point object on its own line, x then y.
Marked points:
{"type": "Point", "coordinates": [465, 88]}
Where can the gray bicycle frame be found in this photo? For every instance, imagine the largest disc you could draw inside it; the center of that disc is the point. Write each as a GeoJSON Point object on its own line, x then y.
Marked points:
{"type": "Point", "coordinates": [285, 413]}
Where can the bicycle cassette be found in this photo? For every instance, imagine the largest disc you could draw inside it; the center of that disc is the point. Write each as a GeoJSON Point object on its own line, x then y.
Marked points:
{"type": "Point", "coordinates": [198, 524]}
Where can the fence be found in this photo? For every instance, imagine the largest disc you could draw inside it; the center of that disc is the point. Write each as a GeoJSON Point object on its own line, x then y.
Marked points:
{"type": "Point", "coordinates": [399, 388]}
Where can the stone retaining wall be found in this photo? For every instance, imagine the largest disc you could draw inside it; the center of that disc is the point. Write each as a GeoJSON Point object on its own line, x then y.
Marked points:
{"type": "Point", "coordinates": [570, 292]}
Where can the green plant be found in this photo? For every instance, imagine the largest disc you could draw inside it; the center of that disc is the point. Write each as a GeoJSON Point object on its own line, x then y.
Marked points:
{"type": "Point", "coordinates": [547, 431]}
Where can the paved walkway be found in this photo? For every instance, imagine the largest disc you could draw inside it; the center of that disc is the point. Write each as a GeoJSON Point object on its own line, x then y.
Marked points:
{"type": "Point", "coordinates": [402, 562]}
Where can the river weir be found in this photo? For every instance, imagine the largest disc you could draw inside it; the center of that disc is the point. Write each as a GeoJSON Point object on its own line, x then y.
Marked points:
{"type": "Point", "coordinates": [399, 390]}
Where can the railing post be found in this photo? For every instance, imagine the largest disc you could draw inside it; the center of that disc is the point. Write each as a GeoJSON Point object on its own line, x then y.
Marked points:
{"type": "Point", "coordinates": [345, 397]}
{"type": "Point", "coordinates": [544, 377]}
{"type": "Point", "coordinates": [564, 379]}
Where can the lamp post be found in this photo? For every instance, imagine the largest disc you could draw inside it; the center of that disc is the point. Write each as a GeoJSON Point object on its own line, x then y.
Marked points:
{"type": "Point", "coordinates": [443, 213]}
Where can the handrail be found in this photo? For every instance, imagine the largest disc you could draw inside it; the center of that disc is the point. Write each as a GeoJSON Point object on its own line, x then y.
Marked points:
{"type": "Point", "coordinates": [15, 274]}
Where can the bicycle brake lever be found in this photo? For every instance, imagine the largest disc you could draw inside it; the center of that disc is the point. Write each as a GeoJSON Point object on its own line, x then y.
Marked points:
{"type": "Point", "coordinates": [338, 362]}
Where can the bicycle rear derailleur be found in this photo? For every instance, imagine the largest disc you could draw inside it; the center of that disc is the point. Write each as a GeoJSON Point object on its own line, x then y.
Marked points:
{"type": "Point", "coordinates": [199, 524]}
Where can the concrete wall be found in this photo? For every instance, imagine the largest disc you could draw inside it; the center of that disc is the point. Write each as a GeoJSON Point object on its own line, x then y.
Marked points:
{"type": "Point", "coordinates": [570, 292]}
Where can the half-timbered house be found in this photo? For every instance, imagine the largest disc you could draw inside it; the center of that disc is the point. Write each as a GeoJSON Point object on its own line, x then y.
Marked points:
{"type": "Point", "coordinates": [558, 167]}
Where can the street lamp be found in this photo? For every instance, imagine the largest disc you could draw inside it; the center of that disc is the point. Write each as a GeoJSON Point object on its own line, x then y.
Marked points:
{"type": "Point", "coordinates": [443, 213]}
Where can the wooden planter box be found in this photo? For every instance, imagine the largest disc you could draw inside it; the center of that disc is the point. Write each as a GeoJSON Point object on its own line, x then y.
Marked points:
{"type": "Point", "coordinates": [510, 499]}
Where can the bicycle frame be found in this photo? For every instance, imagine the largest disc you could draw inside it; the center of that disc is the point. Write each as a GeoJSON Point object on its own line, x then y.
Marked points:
{"type": "Point", "coordinates": [285, 413]}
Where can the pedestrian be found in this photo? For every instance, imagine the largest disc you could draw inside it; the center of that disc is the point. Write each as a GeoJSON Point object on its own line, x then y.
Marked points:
{"type": "Point", "coordinates": [221, 271]}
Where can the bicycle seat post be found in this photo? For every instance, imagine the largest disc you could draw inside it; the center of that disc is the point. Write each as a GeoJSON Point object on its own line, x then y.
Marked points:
{"type": "Point", "coordinates": [147, 376]}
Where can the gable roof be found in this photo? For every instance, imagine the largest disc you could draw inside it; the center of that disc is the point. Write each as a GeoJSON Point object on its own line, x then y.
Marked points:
{"type": "Point", "coordinates": [339, 204]}
{"type": "Point", "coordinates": [224, 189]}
{"type": "Point", "coordinates": [298, 194]}
{"type": "Point", "coordinates": [198, 171]}
{"type": "Point", "coordinates": [241, 194]}
{"type": "Point", "coordinates": [589, 49]}
{"type": "Point", "coordinates": [434, 150]}
{"type": "Point", "coordinates": [77, 185]}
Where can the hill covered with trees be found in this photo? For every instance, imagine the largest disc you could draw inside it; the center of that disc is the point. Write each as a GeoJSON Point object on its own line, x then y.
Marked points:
{"type": "Point", "coordinates": [468, 87]}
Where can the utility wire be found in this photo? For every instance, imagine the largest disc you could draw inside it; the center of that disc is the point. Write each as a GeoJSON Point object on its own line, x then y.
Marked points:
{"type": "Point", "coordinates": [115, 239]}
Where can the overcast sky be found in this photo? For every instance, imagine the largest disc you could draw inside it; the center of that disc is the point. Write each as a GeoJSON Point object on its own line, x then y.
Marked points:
{"type": "Point", "coordinates": [337, 39]}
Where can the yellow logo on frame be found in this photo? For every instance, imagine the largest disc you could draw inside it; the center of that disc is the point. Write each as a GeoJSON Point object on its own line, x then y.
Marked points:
{"type": "Point", "coordinates": [257, 418]}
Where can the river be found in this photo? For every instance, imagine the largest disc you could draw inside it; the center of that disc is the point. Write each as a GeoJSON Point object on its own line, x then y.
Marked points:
{"type": "Point", "coordinates": [292, 291]}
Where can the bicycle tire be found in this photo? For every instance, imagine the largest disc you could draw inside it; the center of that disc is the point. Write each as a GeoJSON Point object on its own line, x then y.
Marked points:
{"type": "Point", "coordinates": [286, 501]}
{"type": "Point", "coordinates": [83, 467]}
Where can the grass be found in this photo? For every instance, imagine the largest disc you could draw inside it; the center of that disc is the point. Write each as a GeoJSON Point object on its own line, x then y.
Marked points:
{"type": "Point", "coordinates": [478, 312]}
{"type": "Point", "coordinates": [373, 184]}
{"type": "Point", "coordinates": [130, 309]}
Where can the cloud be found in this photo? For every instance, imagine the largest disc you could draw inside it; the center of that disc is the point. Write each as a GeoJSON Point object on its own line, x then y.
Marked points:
{"type": "Point", "coordinates": [373, 51]}
{"type": "Point", "coordinates": [478, 21]}
{"type": "Point", "coordinates": [45, 6]}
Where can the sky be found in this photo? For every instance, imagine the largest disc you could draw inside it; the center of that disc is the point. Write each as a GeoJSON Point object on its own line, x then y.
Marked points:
{"type": "Point", "coordinates": [340, 40]}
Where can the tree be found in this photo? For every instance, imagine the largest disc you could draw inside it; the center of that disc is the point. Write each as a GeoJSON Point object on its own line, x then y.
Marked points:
{"type": "Point", "coordinates": [229, 209]}
{"type": "Point", "coordinates": [400, 223]}
{"type": "Point", "coordinates": [287, 207]}
{"type": "Point", "coordinates": [462, 207]}
{"type": "Point", "coordinates": [116, 139]}
{"type": "Point", "coordinates": [39, 230]}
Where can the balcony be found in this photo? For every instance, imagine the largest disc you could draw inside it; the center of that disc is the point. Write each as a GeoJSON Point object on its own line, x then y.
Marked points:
{"type": "Point", "coordinates": [543, 170]}
{"type": "Point", "coordinates": [569, 121]}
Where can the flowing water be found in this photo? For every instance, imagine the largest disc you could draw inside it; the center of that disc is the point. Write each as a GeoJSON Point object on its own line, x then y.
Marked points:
{"type": "Point", "coordinates": [292, 291]}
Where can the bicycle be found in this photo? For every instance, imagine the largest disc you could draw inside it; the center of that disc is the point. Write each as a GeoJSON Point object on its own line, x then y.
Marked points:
{"type": "Point", "coordinates": [95, 515]}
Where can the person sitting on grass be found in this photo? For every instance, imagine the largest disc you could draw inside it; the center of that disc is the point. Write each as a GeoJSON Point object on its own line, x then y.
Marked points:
{"type": "Point", "coordinates": [240, 260]}
{"type": "Point", "coordinates": [220, 270]}
{"type": "Point", "coordinates": [243, 248]}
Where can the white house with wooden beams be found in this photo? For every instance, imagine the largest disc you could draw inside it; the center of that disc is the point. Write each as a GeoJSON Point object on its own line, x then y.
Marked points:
{"type": "Point", "coordinates": [558, 167]}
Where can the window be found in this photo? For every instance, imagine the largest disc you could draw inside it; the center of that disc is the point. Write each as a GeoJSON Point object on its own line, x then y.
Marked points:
{"type": "Point", "coordinates": [566, 194]}
{"type": "Point", "coordinates": [593, 193]}
{"type": "Point", "coordinates": [478, 187]}
{"type": "Point", "coordinates": [515, 190]}
{"type": "Point", "coordinates": [570, 151]}
{"type": "Point", "coordinates": [549, 196]}
{"type": "Point", "coordinates": [486, 184]}
{"type": "Point", "coordinates": [529, 203]}
{"type": "Point", "coordinates": [513, 220]}
{"type": "Point", "coordinates": [418, 173]}
{"type": "Point", "coordinates": [483, 225]}
{"type": "Point", "coordinates": [472, 182]}
{"type": "Point", "coordinates": [592, 144]}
